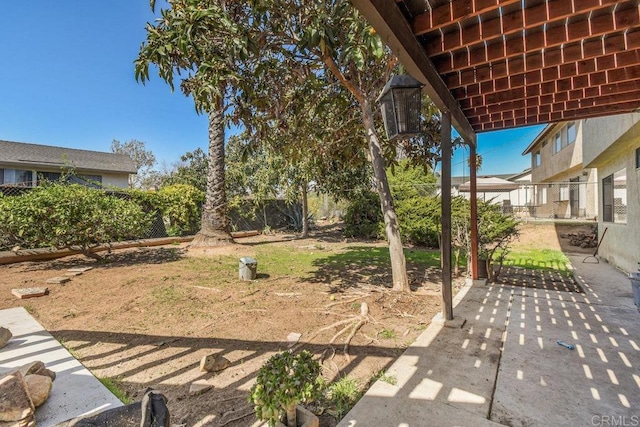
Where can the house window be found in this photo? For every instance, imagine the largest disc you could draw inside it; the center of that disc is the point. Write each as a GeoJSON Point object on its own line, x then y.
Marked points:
{"type": "Point", "coordinates": [536, 159]}
{"type": "Point", "coordinates": [564, 192]}
{"type": "Point", "coordinates": [557, 143]}
{"type": "Point", "coordinates": [1, 176]}
{"type": "Point", "coordinates": [17, 177]}
{"type": "Point", "coordinates": [48, 176]}
{"type": "Point", "coordinates": [614, 197]}
{"type": "Point", "coordinates": [571, 133]}
{"type": "Point", "coordinates": [543, 196]}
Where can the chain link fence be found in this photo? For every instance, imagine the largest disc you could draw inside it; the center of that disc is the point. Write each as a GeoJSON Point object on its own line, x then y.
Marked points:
{"type": "Point", "coordinates": [557, 200]}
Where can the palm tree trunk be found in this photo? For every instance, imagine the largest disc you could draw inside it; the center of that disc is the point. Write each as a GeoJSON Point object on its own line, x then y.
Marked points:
{"type": "Point", "coordinates": [398, 263]}
{"type": "Point", "coordinates": [215, 228]}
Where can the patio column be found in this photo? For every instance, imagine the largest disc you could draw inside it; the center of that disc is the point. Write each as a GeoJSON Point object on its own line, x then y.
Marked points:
{"type": "Point", "coordinates": [445, 246]}
{"type": "Point", "coordinates": [473, 171]}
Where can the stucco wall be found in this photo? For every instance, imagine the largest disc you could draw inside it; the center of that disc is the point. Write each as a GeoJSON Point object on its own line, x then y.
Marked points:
{"type": "Point", "coordinates": [111, 180]}
{"type": "Point", "coordinates": [601, 132]}
{"type": "Point", "coordinates": [551, 165]}
{"type": "Point", "coordinates": [621, 245]}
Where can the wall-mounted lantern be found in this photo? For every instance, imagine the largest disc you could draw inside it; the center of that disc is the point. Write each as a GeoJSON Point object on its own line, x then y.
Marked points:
{"type": "Point", "coordinates": [400, 103]}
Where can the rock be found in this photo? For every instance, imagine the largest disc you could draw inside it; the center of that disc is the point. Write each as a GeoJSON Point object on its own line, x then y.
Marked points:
{"type": "Point", "coordinates": [212, 363]}
{"type": "Point", "coordinates": [15, 403]}
{"type": "Point", "coordinates": [199, 387]}
{"type": "Point", "coordinates": [25, 293]}
{"type": "Point", "coordinates": [58, 280]}
{"type": "Point", "coordinates": [79, 269]}
{"type": "Point", "coordinates": [5, 336]}
{"type": "Point", "coordinates": [47, 373]}
{"type": "Point", "coordinates": [30, 368]}
{"type": "Point", "coordinates": [30, 421]}
{"type": "Point", "coordinates": [39, 388]}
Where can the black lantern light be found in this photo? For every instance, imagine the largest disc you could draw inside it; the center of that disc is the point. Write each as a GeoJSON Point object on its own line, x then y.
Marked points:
{"type": "Point", "coordinates": [400, 104]}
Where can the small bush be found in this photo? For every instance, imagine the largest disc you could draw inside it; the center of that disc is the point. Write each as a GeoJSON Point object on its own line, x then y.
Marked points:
{"type": "Point", "coordinates": [364, 217]}
{"type": "Point", "coordinates": [419, 220]}
{"type": "Point", "coordinates": [69, 216]}
{"type": "Point", "coordinates": [343, 395]}
{"type": "Point", "coordinates": [180, 205]}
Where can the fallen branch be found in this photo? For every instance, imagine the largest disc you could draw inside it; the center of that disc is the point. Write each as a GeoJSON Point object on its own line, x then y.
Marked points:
{"type": "Point", "coordinates": [345, 301]}
{"type": "Point", "coordinates": [238, 418]}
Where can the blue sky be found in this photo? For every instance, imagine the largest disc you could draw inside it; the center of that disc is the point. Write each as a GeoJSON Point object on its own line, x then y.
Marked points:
{"type": "Point", "coordinates": [68, 80]}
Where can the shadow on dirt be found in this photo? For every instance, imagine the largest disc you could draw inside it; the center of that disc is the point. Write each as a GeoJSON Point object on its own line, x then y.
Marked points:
{"type": "Point", "coordinates": [156, 255]}
{"type": "Point", "coordinates": [170, 365]}
{"type": "Point", "coordinates": [366, 265]}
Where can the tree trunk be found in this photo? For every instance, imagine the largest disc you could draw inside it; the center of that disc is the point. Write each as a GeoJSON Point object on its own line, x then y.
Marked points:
{"type": "Point", "coordinates": [291, 416]}
{"type": "Point", "coordinates": [398, 263]}
{"type": "Point", "coordinates": [215, 228]}
{"type": "Point", "coordinates": [305, 211]}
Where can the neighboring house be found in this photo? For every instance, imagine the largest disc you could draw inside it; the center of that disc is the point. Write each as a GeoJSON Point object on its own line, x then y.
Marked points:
{"type": "Point", "coordinates": [613, 148]}
{"type": "Point", "coordinates": [25, 164]}
{"type": "Point", "coordinates": [564, 187]}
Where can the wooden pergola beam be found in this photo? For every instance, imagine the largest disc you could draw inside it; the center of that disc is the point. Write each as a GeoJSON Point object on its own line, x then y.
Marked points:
{"type": "Point", "coordinates": [395, 31]}
{"type": "Point", "coordinates": [497, 77]}
{"type": "Point", "coordinates": [582, 113]}
{"type": "Point", "coordinates": [606, 79]}
{"type": "Point", "coordinates": [552, 14]}
{"type": "Point", "coordinates": [612, 101]}
{"type": "Point", "coordinates": [535, 42]}
{"type": "Point", "coordinates": [456, 10]}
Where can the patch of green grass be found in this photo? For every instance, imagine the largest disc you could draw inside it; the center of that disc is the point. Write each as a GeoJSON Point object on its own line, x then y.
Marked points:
{"type": "Point", "coordinates": [167, 294]}
{"type": "Point", "coordinates": [343, 395]}
{"type": "Point", "coordinates": [30, 309]}
{"type": "Point", "coordinates": [114, 388]}
{"type": "Point", "coordinates": [384, 377]}
{"type": "Point", "coordinates": [388, 334]}
{"type": "Point", "coordinates": [538, 259]}
{"type": "Point", "coordinates": [282, 261]}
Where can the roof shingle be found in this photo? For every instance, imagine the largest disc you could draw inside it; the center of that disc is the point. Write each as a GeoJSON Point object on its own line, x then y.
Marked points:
{"type": "Point", "coordinates": [27, 154]}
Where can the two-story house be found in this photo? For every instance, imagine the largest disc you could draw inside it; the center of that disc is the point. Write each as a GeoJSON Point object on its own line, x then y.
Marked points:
{"type": "Point", "coordinates": [613, 148]}
{"type": "Point", "coordinates": [23, 164]}
{"type": "Point", "coordinates": [564, 187]}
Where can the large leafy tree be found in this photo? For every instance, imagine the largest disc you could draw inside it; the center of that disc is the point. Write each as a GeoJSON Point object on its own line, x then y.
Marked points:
{"type": "Point", "coordinates": [204, 43]}
{"type": "Point", "coordinates": [333, 40]}
{"type": "Point", "coordinates": [309, 124]}
{"type": "Point", "coordinates": [143, 159]}
{"type": "Point", "coordinates": [191, 170]}
{"type": "Point", "coordinates": [339, 46]}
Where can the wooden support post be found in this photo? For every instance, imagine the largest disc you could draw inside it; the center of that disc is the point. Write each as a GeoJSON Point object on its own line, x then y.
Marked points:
{"type": "Point", "coordinates": [445, 246]}
{"type": "Point", "coordinates": [473, 171]}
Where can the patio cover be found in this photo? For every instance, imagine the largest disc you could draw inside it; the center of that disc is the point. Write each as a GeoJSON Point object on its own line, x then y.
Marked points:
{"type": "Point", "coordinates": [490, 184]}
{"type": "Point", "coordinates": [497, 64]}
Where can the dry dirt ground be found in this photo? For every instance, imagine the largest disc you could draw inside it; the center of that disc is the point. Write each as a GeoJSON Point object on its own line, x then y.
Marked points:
{"type": "Point", "coordinates": [147, 317]}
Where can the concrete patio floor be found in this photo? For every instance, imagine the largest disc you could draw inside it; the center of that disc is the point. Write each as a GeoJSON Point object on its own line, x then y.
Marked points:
{"type": "Point", "coordinates": [498, 362]}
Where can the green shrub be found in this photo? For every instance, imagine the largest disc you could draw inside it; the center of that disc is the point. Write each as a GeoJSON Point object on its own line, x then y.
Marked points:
{"type": "Point", "coordinates": [70, 216]}
{"type": "Point", "coordinates": [364, 217]}
{"type": "Point", "coordinates": [419, 220]}
{"type": "Point", "coordinates": [284, 381]}
{"type": "Point", "coordinates": [181, 206]}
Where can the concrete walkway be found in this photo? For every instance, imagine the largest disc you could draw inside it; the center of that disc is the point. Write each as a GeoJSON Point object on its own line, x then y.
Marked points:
{"type": "Point", "coordinates": [498, 362]}
{"type": "Point", "coordinates": [75, 390]}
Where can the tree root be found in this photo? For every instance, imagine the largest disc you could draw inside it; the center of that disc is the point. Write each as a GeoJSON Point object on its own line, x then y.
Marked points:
{"type": "Point", "coordinates": [353, 324]}
{"type": "Point", "coordinates": [239, 417]}
{"type": "Point", "coordinates": [345, 301]}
